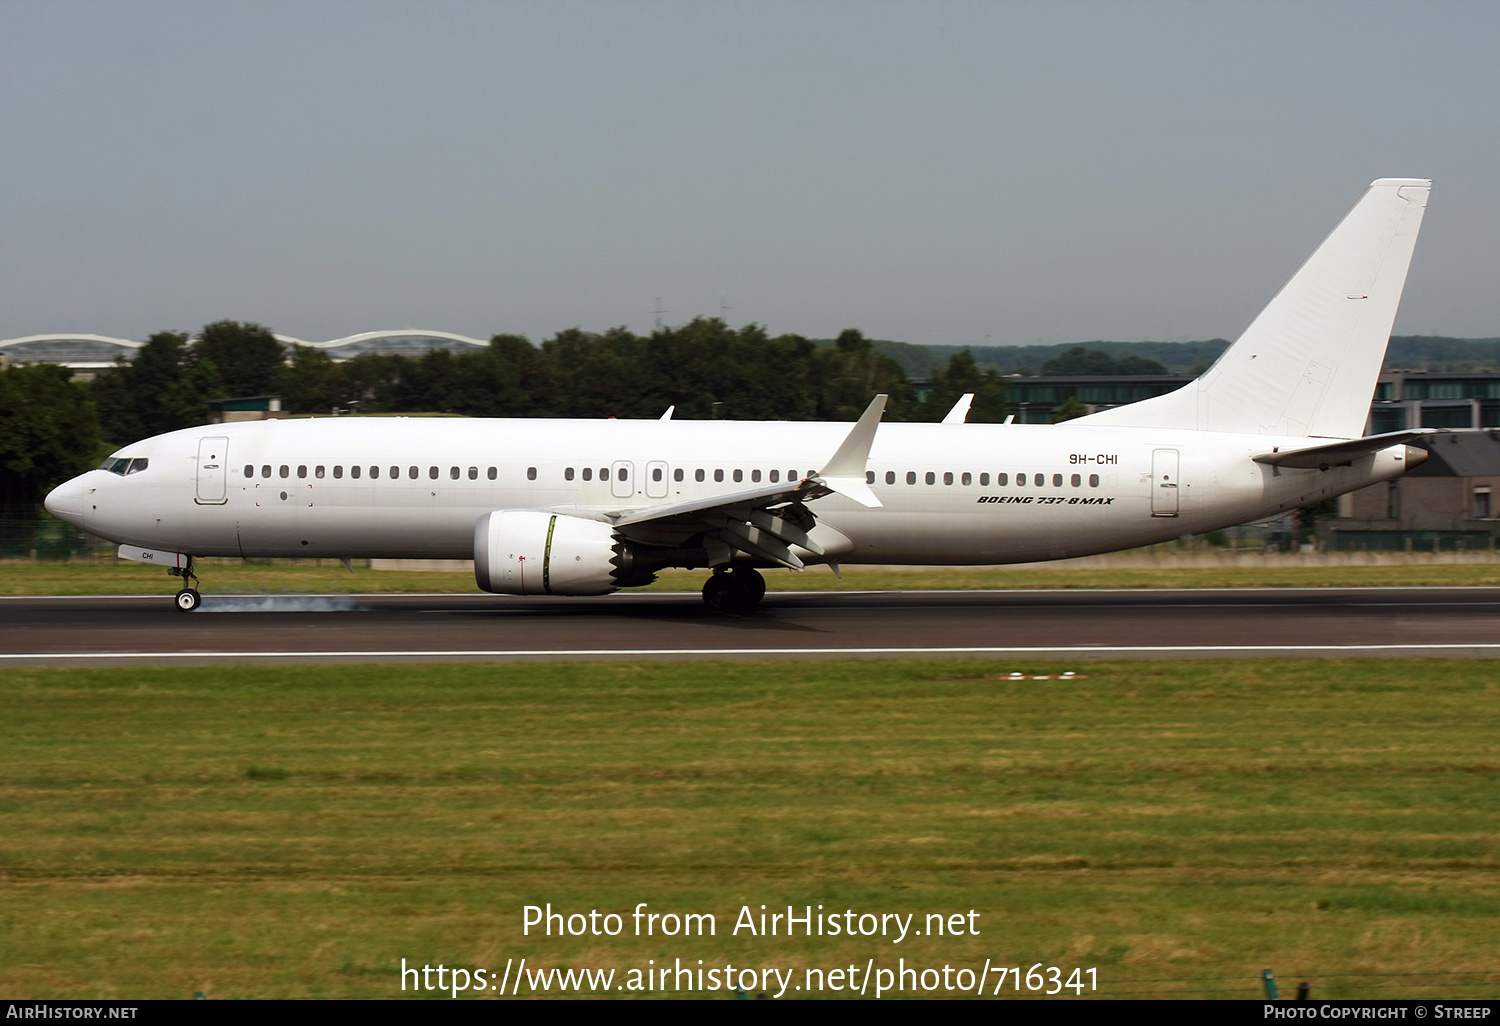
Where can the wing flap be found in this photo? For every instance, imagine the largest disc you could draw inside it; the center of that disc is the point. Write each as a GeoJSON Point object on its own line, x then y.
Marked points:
{"type": "Point", "coordinates": [764, 523]}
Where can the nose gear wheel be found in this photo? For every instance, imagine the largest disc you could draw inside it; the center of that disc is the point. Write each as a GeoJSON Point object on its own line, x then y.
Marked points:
{"type": "Point", "coordinates": [188, 598]}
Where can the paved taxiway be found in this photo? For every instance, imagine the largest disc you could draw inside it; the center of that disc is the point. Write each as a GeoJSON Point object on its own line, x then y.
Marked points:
{"type": "Point", "coordinates": [93, 631]}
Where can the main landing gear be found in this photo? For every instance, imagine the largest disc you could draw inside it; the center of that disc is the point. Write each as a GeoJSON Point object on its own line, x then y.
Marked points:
{"type": "Point", "coordinates": [188, 598]}
{"type": "Point", "coordinates": [736, 589]}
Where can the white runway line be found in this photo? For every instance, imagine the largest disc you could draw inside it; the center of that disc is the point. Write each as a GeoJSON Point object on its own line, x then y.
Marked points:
{"type": "Point", "coordinates": [637, 653]}
{"type": "Point", "coordinates": [1309, 589]}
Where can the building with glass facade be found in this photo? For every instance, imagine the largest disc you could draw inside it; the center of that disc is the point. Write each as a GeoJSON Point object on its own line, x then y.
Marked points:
{"type": "Point", "coordinates": [87, 353]}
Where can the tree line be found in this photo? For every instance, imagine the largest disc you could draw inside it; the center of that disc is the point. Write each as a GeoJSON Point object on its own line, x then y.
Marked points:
{"type": "Point", "coordinates": [704, 368]}
{"type": "Point", "coordinates": [51, 428]}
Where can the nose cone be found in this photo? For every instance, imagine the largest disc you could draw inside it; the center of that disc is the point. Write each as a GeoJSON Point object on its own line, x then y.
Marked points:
{"type": "Point", "coordinates": [65, 502]}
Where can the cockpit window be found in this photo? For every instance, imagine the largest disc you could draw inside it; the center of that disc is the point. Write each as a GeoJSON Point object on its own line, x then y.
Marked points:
{"type": "Point", "coordinates": [123, 465]}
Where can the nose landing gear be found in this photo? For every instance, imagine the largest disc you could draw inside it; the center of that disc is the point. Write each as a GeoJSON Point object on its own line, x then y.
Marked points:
{"type": "Point", "coordinates": [736, 589]}
{"type": "Point", "coordinates": [188, 598]}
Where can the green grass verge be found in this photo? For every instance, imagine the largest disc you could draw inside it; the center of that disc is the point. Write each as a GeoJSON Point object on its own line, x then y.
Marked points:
{"type": "Point", "coordinates": [298, 831]}
{"type": "Point", "coordinates": [233, 577]}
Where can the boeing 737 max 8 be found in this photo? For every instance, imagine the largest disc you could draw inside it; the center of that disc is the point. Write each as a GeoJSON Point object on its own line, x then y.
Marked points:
{"type": "Point", "coordinates": [584, 507]}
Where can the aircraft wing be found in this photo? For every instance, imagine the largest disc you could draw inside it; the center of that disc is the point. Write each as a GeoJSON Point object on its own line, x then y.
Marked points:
{"type": "Point", "coordinates": [763, 523]}
{"type": "Point", "coordinates": [1340, 453]}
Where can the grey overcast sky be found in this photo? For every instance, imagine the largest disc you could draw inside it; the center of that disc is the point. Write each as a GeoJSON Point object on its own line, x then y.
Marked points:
{"type": "Point", "coordinates": [991, 173]}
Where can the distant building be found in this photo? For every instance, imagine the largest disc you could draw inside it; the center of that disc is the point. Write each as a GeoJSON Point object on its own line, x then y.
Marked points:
{"type": "Point", "coordinates": [401, 342]}
{"type": "Point", "coordinates": [1448, 504]}
{"type": "Point", "coordinates": [245, 407]}
{"type": "Point", "coordinates": [1037, 400]}
{"type": "Point", "coordinates": [80, 352]}
{"type": "Point", "coordinates": [1413, 399]}
{"type": "Point", "coordinates": [91, 353]}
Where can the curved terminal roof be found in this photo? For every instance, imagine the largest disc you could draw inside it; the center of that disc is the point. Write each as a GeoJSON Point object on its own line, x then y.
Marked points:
{"type": "Point", "coordinates": [83, 352]}
{"type": "Point", "coordinates": [405, 342]}
{"type": "Point", "coordinates": [94, 352]}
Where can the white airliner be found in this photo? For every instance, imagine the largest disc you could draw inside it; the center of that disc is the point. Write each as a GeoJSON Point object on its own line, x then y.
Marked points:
{"type": "Point", "coordinates": [584, 507]}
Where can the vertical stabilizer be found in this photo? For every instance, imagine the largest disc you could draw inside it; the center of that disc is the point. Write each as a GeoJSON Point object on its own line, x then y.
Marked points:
{"type": "Point", "coordinates": [1308, 364]}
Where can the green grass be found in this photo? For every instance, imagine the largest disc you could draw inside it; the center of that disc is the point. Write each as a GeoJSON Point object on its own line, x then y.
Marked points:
{"type": "Point", "coordinates": [297, 831]}
{"type": "Point", "coordinates": [234, 577]}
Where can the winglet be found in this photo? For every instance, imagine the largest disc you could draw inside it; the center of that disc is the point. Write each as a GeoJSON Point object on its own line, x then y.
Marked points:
{"type": "Point", "coordinates": [960, 411]}
{"type": "Point", "coordinates": [845, 473]}
{"type": "Point", "coordinates": [668, 414]}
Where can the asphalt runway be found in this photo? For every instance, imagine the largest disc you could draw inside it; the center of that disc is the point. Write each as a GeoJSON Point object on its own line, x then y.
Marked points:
{"type": "Point", "coordinates": [1313, 622]}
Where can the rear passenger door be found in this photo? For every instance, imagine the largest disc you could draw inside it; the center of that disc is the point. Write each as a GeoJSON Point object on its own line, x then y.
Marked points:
{"type": "Point", "coordinates": [1164, 484]}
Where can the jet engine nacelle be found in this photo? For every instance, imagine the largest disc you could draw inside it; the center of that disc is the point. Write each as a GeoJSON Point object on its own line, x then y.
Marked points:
{"type": "Point", "coordinates": [525, 552]}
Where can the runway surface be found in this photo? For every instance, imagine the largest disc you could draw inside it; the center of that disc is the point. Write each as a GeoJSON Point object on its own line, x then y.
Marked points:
{"type": "Point", "coordinates": [94, 631]}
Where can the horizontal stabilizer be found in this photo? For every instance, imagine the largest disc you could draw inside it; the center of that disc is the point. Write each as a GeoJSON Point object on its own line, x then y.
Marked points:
{"type": "Point", "coordinates": [1334, 454]}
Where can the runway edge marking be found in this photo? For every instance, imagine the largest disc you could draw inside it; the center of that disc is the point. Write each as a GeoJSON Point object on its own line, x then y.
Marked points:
{"type": "Point", "coordinates": [627, 653]}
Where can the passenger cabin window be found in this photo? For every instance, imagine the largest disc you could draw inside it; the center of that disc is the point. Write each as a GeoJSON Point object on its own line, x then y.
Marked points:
{"type": "Point", "coordinates": [931, 478]}
{"type": "Point", "coordinates": [948, 477]}
{"type": "Point", "coordinates": [604, 473]}
{"type": "Point", "coordinates": [968, 478]}
{"type": "Point", "coordinates": [412, 472]}
{"type": "Point", "coordinates": [492, 473]}
{"type": "Point", "coordinates": [1077, 480]}
{"type": "Point", "coordinates": [655, 473]}
{"type": "Point", "coordinates": [249, 468]}
{"type": "Point", "coordinates": [568, 474]}
{"type": "Point", "coordinates": [698, 474]}
{"type": "Point", "coordinates": [1056, 480]}
{"type": "Point", "coordinates": [739, 475]}
{"type": "Point", "coordinates": [265, 471]}
{"type": "Point", "coordinates": [984, 480]}
{"type": "Point", "coordinates": [318, 472]}
{"type": "Point", "coordinates": [395, 473]}
{"type": "Point", "coordinates": [718, 475]}
{"type": "Point", "coordinates": [338, 471]}
{"type": "Point", "coordinates": [869, 477]}
{"type": "Point", "coordinates": [1039, 480]}
{"type": "Point", "coordinates": [791, 475]}
{"type": "Point", "coordinates": [474, 473]}
{"type": "Point", "coordinates": [1093, 480]}
{"type": "Point", "coordinates": [677, 474]}
{"type": "Point", "coordinates": [588, 473]}
{"type": "Point", "coordinates": [374, 473]}
{"type": "Point", "coordinates": [354, 472]}
{"type": "Point", "coordinates": [776, 476]}
{"type": "Point", "coordinates": [911, 477]}
{"type": "Point", "coordinates": [531, 473]}
{"type": "Point", "coordinates": [890, 477]}
{"type": "Point", "coordinates": [286, 471]}
{"type": "Point", "coordinates": [453, 473]}
{"type": "Point", "coordinates": [432, 473]}
{"type": "Point", "coordinates": [1021, 480]}
{"type": "Point", "coordinates": [301, 471]}
{"type": "Point", "coordinates": [755, 476]}
{"type": "Point", "coordinates": [1000, 479]}
{"type": "Point", "coordinates": [623, 474]}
